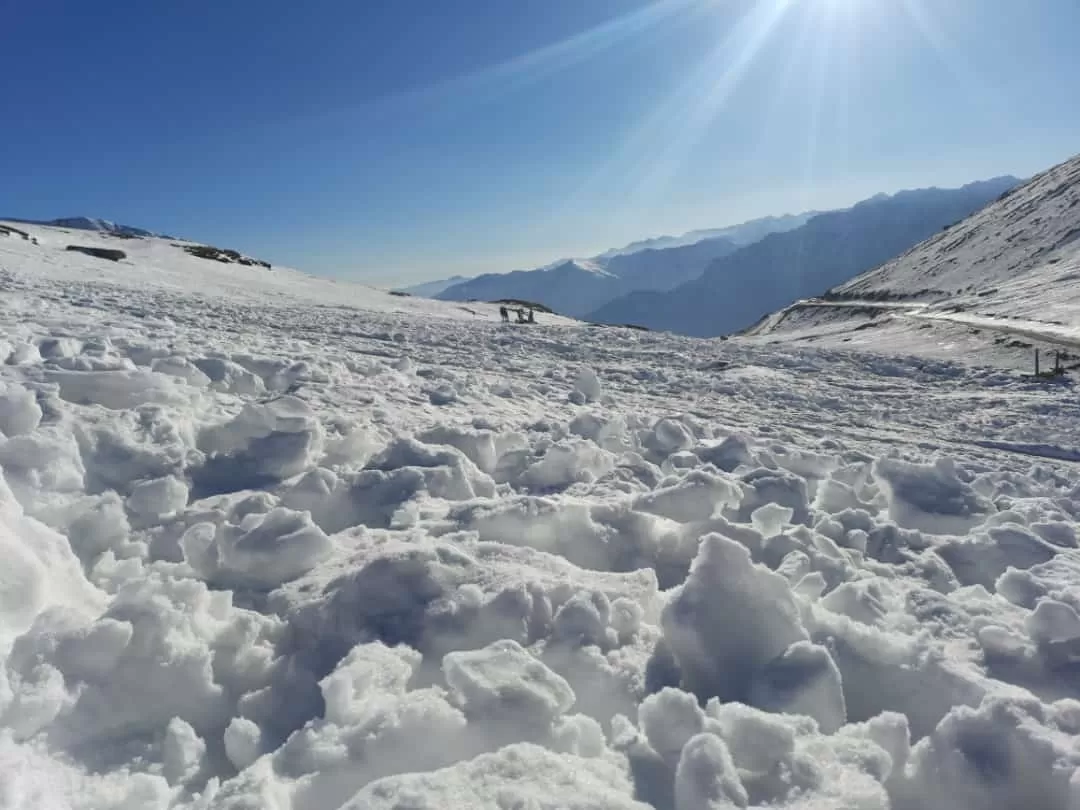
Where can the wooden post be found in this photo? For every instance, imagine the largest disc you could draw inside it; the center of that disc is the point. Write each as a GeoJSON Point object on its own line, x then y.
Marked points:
{"type": "Point", "coordinates": [1057, 361]}
{"type": "Point", "coordinates": [1036, 362]}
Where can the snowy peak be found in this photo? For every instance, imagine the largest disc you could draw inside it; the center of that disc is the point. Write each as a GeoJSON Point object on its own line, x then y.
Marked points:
{"type": "Point", "coordinates": [572, 266]}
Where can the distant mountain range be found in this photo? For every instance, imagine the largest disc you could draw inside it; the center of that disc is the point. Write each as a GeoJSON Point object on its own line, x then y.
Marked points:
{"type": "Point", "coordinates": [87, 224]}
{"type": "Point", "coordinates": [743, 234]}
{"type": "Point", "coordinates": [736, 289]}
{"type": "Point", "coordinates": [577, 286]}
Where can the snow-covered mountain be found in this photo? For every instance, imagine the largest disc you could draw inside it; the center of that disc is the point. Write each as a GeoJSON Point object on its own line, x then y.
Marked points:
{"type": "Point", "coordinates": [745, 233]}
{"type": "Point", "coordinates": [1009, 274]}
{"type": "Point", "coordinates": [737, 289]}
{"type": "Point", "coordinates": [578, 286]}
{"type": "Point", "coordinates": [88, 224]}
{"type": "Point", "coordinates": [570, 286]}
{"type": "Point", "coordinates": [660, 264]}
{"type": "Point", "coordinates": [271, 540]}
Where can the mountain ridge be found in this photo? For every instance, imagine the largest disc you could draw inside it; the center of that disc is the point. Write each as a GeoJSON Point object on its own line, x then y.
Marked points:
{"type": "Point", "coordinates": [734, 291]}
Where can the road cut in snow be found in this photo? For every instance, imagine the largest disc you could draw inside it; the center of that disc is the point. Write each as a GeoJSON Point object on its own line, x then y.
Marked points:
{"type": "Point", "coordinates": [253, 557]}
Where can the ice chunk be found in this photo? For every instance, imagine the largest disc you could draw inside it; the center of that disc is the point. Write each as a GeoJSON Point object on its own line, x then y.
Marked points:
{"type": "Point", "coordinates": [266, 442]}
{"type": "Point", "coordinates": [443, 394]}
{"type": "Point", "coordinates": [579, 735]}
{"type": "Point", "coordinates": [931, 497]}
{"type": "Point", "coordinates": [1007, 753]}
{"type": "Point", "coordinates": [567, 463]}
{"type": "Point", "coordinates": [505, 682]}
{"type": "Point", "coordinates": [803, 680]}
{"type": "Point", "coordinates": [669, 436]}
{"type": "Point", "coordinates": [731, 453]}
{"type": "Point", "coordinates": [706, 778]}
{"type": "Point", "coordinates": [669, 719]}
{"type": "Point", "coordinates": [242, 742]}
{"type": "Point", "coordinates": [19, 410]}
{"type": "Point", "coordinates": [181, 368]}
{"type": "Point", "coordinates": [729, 620]}
{"type": "Point", "coordinates": [118, 389]}
{"type": "Point", "coordinates": [182, 752]}
{"type": "Point", "coordinates": [38, 570]}
{"type": "Point", "coordinates": [771, 518]}
{"type": "Point", "coordinates": [368, 668]}
{"type": "Point", "coordinates": [225, 375]}
{"type": "Point", "coordinates": [262, 550]}
{"type": "Point", "coordinates": [587, 385]}
{"type": "Point", "coordinates": [517, 776]}
{"type": "Point", "coordinates": [695, 497]}
{"type": "Point", "coordinates": [158, 497]}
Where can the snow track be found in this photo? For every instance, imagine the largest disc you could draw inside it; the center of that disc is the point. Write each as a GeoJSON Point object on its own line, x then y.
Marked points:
{"type": "Point", "coordinates": [296, 544]}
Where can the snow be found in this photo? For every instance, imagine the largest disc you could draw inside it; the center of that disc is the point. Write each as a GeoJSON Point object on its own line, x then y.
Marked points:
{"type": "Point", "coordinates": [249, 560]}
{"type": "Point", "coordinates": [996, 285]}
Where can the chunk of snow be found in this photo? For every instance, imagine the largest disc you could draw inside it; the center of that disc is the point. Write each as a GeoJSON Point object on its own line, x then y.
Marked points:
{"type": "Point", "coordinates": [587, 385]}
{"type": "Point", "coordinates": [728, 621]}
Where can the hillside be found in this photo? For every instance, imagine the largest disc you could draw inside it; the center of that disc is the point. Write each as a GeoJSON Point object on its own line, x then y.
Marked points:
{"type": "Point", "coordinates": [736, 290]}
{"type": "Point", "coordinates": [1007, 275]}
{"type": "Point", "coordinates": [159, 264]}
{"type": "Point", "coordinates": [87, 224]}
{"type": "Point", "coordinates": [1033, 232]}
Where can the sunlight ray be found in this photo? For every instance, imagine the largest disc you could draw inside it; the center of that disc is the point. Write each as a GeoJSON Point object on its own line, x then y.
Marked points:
{"type": "Point", "coordinates": [951, 56]}
{"type": "Point", "coordinates": [655, 150]}
{"type": "Point", "coordinates": [720, 74]}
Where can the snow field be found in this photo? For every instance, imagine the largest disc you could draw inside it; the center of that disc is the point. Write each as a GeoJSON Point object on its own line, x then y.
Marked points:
{"type": "Point", "coordinates": [250, 561]}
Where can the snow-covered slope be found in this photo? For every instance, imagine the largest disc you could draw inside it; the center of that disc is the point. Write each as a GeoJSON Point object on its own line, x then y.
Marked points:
{"type": "Point", "coordinates": [1009, 274]}
{"type": "Point", "coordinates": [1028, 237]}
{"type": "Point", "coordinates": [88, 224]}
{"type": "Point", "coordinates": [274, 541]}
{"type": "Point", "coordinates": [158, 263]}
{"type": "Point", "coordinates": [736, 290]}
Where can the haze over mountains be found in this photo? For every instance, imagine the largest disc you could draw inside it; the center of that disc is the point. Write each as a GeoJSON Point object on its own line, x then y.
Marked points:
{"type": "Point", "coordinates": [714, 282]}
{"type": "Point", "coordinates": [736, 290]}
{"type": "Point", "coordinates": [745, 234]}
{"type": "Point", "coordinates": [577, 286]}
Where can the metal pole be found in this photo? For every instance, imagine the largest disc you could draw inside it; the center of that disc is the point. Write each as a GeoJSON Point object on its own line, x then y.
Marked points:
{"type": "Point", "coordinates": [1036, 362]}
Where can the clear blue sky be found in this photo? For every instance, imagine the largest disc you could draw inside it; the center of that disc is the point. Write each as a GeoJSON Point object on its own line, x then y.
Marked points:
{"type": "Point", "coordinates": [401, 140]}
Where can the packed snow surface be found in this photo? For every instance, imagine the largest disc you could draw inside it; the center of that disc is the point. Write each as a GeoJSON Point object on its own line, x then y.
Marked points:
{"type": "Point", "coordinates": [268, 541]}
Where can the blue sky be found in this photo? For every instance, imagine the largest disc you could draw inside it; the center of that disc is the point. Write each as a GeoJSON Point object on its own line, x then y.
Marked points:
{"type": "Point", "coordinates": [401, 140]}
